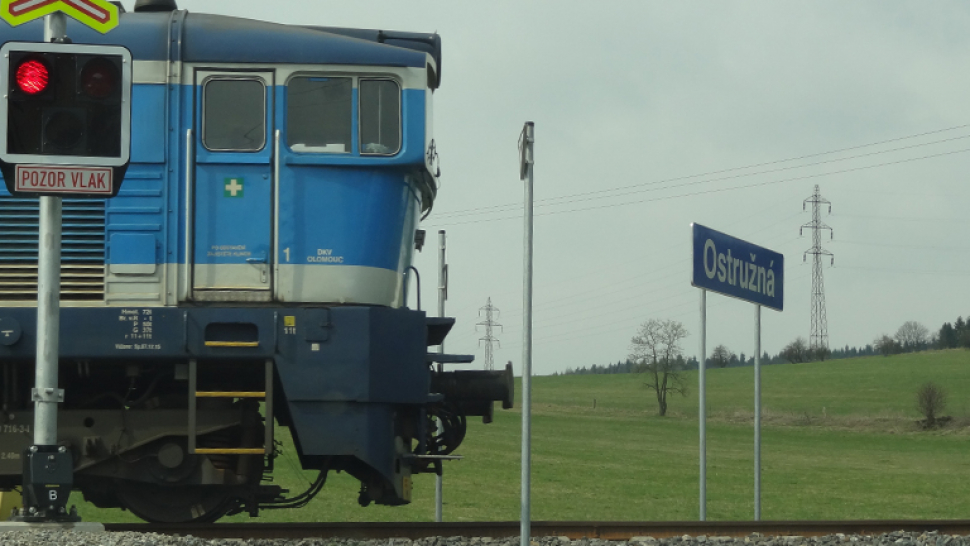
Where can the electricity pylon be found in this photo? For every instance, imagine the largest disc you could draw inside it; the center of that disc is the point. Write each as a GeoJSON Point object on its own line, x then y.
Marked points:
{"type": "Point", "coordinates": [489, 339]}
{"type": "Point", "coordinates": [819, 341]}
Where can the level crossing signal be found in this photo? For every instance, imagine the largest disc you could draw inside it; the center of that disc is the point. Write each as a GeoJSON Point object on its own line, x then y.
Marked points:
{"type": "Point", "coordinates": [66, 118]}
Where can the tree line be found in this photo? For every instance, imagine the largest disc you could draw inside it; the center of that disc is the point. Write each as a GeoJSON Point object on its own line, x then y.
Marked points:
{"type": "Point", "coordinates": [910, 337]}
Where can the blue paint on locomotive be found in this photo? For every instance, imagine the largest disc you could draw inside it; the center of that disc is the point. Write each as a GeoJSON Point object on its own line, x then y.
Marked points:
{"type": "Point", "coordinates": [345, 371]}
{"type": "Point", "coordinates": [356, 213]}
{"type": "Point", "coordinates": [224, 39]}
{"type": "Point", "coordinates": [357, 216]}
{"type": "Point", "coordinates": [216, 38]}
{"type": "Point", "coordinates": [147, 124]}
{"type": "Point", "coordinates": [93, 333]}
{"type": "Point", "coordinates": [359, 203]}
{"type": "Point", "coordinates": [146, 36]}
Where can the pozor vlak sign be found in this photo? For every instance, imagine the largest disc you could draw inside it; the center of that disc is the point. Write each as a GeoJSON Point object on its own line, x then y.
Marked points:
{"type": "Point", "coordinates": [737, 268]}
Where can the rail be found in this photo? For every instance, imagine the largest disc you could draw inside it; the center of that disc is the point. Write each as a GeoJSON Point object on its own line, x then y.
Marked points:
{"type": "Point", "coordinates": [621, 530]}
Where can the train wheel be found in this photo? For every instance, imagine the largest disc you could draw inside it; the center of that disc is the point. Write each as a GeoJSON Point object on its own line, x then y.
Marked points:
{"type": "Point", "coordinates": [177, 503]}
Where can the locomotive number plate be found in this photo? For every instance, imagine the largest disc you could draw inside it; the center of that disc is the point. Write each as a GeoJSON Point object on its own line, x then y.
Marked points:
{"type": "Point", "coordinates": [15, 429]}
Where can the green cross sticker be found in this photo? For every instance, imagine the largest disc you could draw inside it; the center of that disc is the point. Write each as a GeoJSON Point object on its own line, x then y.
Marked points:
{"type": "Point", "coordinates": [234, 187]}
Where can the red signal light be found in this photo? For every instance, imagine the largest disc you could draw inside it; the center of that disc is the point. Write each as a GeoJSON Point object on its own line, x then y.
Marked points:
{"type": "Point", "coordinates": [32, 76]}
{"type": "Point", "coordinates": [99, 78]}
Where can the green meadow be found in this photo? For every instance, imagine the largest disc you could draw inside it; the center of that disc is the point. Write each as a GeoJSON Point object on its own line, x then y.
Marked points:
{"type": "Point", "coordinates": [839, 441]}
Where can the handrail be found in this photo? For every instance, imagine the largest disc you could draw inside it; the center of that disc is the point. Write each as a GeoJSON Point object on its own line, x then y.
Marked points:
{"type": "Point", "coordinates": [274, 282]}
{"type": "Point", "coordinates": [417, 277]}
{"type": "Point", "coordinates": [189, 186]}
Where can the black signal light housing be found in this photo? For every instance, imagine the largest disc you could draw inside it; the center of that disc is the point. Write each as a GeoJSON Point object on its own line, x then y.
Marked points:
{"type": "Point", "coordinates": [66, 104]}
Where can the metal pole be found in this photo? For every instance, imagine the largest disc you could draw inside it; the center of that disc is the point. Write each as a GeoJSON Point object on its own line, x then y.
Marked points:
{"type": "Point", "coordinates": [525, 531]}
{"type": "Point", "coordinates": [55, 27]}
{"type": "Point", "coordinates": [442, 296]}
{"type": "Point", "coordinates": [702, 405]}
{"type": "Point", "coordinates": [48, 322]}
{"type": "Point", "coordinates": [757, 413]}
{"type": "Point", "coordinates": [46, 394]}
{"type": "Point", "coordinates": [45, 489]}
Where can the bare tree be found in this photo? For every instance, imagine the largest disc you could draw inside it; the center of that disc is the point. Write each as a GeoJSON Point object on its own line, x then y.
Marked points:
{"type": "Point", "coordinates": [886, 345]}
{"type": "Point", "coordinates": [912, 336]}
{"type": "Point", "coordinates": [657, 353]}
{"type": "Point", "coordinates": [721, 356]}
{"type": "Point", "coordinates": [796, 351]}
{"type": "Point", "coordinates": [930, 401]}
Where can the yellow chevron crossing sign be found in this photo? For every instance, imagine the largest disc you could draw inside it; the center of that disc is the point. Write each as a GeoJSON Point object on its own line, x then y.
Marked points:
{"type": "Point", "coordinates": [100, 15]}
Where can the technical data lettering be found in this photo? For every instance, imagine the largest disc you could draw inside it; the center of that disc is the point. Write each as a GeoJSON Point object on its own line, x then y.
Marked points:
{"type": "Point", "coordinates": [58, 179]}
{"type": "Point", "coordinates": [228, 251]}
{"type": "Point", "coordinates": [325, 256]}
{"type": "Point", "coordinates": [142, 329]}
{"type": "Point", "coordinates": [15, 429]}
{"type": "Point", "coordinates": [9, 456]}
{"type": "Point", "coordinates": [138, 347]}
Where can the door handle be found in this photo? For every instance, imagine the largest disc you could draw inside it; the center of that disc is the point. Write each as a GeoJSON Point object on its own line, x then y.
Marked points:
{"type": "Point", "coordinates": [257, 260]}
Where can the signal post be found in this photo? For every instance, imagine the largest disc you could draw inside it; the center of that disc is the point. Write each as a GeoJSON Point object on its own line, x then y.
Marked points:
{"type": "Point", "coordinates": [66, 119]}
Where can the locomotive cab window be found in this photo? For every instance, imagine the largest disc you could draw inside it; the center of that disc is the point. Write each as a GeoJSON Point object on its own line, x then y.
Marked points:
{"type": "Point", "coordinates": [319, 114]}
{"type": "Point", "coordinates": [234, 115]}
{"type": "Point", "coordinates": [380, 117]}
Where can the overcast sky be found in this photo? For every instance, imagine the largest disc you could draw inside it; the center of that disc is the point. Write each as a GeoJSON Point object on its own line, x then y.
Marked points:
{"type": "Point", "coordinates": [653, 115]}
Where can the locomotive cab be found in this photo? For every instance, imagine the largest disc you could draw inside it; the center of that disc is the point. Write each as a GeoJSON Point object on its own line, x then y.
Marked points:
{"type": "Point", "coordinates": [252, 271]}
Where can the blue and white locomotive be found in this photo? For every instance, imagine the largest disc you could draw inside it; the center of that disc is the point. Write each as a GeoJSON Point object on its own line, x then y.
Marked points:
{"type": "Point", "coordinates": [253, 269]}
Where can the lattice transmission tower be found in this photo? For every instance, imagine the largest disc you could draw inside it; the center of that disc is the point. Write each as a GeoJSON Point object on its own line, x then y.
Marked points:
{"type": "Point", "coordinates": [489, 339]}
{"type": "Point", "coordinates": [820, 335]}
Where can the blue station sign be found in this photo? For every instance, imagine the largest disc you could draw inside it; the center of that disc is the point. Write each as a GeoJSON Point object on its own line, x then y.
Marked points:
{"type": "Point", "coordinates": [737, 268]}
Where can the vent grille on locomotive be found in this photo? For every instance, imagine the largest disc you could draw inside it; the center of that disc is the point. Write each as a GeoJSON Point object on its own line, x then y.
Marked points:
{"type": "Point", "coordinates": [82, 249]}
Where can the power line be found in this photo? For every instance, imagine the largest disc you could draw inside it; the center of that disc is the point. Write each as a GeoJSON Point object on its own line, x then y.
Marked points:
{"type": "Point", "coordinates": [721, 190]}
{"type": "Point", "coordinates": [595, 290]}
{"type": "Point", "coordinates": [915, 247]}
{"type": "Point", "coordinates": [904, 218]}
{"type": "Point", "coordinates": [546, 202]}
{"type": "Point", "coordinates": [897, 271]}
{"type": "Point", "coordinates": [588, 331]}
{"type": "Point", "coordinates": [650, 307]}
{"type": "Point", "coordinates": [599, 292]}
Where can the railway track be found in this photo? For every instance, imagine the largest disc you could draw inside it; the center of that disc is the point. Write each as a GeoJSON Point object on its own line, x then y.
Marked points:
{"type": "Point", "coordinates": [609, 530]}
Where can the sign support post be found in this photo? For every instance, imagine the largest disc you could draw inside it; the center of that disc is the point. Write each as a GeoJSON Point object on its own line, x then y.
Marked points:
{"type": "Point", "coordinates": [48, 292]}
{"type": "Point", "coordinates": [702, 406]}
{"type": "Point", "coordinates": [442, 296]}
{"type": "Point", "coordinates": [757, 413]}
{"type": "Point", "coordinates": [27, 163]}
{"type": "Point", "coordinates": [525, 172]}
{"type": "Point", "coordinates": [48, 322]}
{"type": "Point", "coordinates": [751, 273]}
{"type": "Point", "coordinates": [48, 468]}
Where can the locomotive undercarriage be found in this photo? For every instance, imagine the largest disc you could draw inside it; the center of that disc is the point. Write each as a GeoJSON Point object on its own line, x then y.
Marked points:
{"type": "Point", "coordinates": [130, 442]}
{"type": "Point", "coordinates": [355, 386]}
{"type": "Point", "coordinates": [125, 425]}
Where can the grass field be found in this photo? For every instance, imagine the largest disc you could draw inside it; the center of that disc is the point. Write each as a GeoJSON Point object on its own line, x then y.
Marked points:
{"type": "Point", "coordinates": [838, 442]}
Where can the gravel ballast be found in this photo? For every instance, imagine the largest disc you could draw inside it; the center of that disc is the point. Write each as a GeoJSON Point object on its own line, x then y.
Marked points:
{"type": "Point", "coordinates": [61, 538]}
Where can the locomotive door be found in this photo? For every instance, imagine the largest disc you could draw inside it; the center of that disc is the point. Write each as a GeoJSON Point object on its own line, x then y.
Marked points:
{"type": "Point", "coordinates": [233, 187]}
